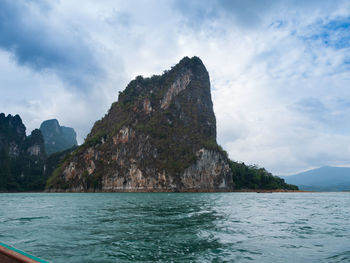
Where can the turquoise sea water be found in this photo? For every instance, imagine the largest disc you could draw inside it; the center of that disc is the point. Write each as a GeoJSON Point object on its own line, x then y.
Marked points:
{"type": "Point", "coordinates": [178, 227]}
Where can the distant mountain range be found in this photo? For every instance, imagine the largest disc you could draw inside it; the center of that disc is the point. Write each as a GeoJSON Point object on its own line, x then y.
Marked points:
{"type": "Point", "coordinates": [325, 178]}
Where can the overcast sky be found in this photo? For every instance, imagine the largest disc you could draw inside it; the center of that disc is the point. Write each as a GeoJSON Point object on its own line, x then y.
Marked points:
{"type": "Point", "coordinates": [280, 70]}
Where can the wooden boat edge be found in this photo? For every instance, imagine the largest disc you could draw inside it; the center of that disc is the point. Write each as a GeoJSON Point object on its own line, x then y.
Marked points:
{"type": "Point", "coordinates": [10, 254]}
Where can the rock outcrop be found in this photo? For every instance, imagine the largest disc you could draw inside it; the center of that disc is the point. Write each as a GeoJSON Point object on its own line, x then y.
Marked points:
{"type": "Point", "coordinates": [57, 138]}
{"type": "Point", "coordinates": [159, 136]}
{"type": "Point", "coordinates": [21, 157]}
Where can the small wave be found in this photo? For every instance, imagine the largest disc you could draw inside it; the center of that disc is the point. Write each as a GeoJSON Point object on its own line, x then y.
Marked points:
{"type": "Point", "coordinates": [342, 257]}
{"type": "Point", "coordinates": [31, 218]}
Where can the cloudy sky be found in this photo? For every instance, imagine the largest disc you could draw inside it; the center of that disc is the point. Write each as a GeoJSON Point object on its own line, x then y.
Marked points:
{"type": "Point", "coordinates": [280, 70]}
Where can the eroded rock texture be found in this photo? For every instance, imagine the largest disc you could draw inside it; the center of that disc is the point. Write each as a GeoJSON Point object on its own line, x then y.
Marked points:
{"type": "Point", "coordinates": [159, 136]}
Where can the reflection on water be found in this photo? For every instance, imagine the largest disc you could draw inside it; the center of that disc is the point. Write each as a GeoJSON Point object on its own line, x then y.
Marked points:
{"type": "Point", "coordinates": [188, 227]}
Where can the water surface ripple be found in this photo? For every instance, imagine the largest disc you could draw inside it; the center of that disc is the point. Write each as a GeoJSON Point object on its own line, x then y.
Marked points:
{"type": "Point", "coordinates": [178, 227]}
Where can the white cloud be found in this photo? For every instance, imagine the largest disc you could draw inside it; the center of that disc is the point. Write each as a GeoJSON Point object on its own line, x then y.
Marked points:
{"type": "Point", "coordinates": [270, 66]}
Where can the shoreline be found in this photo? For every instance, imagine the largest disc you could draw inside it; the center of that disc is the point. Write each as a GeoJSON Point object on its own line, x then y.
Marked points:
{"type": "Point", "coordinates": [187, 191]}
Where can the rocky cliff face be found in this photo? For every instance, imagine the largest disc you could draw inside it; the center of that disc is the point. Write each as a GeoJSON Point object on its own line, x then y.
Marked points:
{"type": "Point", "coordinates": [21, 157]}
{"type": "Point", "coordinates": [159, 136]}
{"type": "Point", "coordinates": [57, 138]}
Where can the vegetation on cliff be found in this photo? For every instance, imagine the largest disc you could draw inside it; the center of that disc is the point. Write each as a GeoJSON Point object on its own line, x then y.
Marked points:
{"type": "Point", "coordinates": [175, 131]}
{"type": "Point", "coordinates": [159, 136]}
{"type": "Point", "coordinates": [253, 177]}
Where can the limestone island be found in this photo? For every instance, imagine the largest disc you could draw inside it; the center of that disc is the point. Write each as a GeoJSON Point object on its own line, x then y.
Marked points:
{"type": "Point", "coordinates": [160, 136]}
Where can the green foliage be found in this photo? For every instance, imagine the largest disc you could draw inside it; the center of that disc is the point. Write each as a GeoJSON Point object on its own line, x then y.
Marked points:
{"type": "Point", "coordinates": [253, 177]}
{"type": "Point", "coordinates": [4, 170]}
{"type": "Point", "coordinates": [54, 166]}
{"type": "Point", "coordinates": [54, 180]}
{"type": "Point", "coordinates": [96, 139]}
{"type": "Point", "coordinates": [119, 125]}
{"type": "Point", "coordinates": [91, 181]}
{"type": "Point", "coordinates": [211, 144]}
{"type": "Point", "coordinates": [90, 142]}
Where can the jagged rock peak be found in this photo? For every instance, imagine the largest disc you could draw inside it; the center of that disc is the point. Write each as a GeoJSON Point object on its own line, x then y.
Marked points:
{"type": "Point", "coordinates": [191, 67]}
{"type": "Point", "coordinates": [13, 125]}
{"type": "Point", "coordinates": [22, 157]}
{"type": "Point", "coordinates": [180, 89]}
{"type": "Point", "coordinates": [192, 63]}
{"type": "Point", "coordinates": [57, 138]}
{"type": "Point", "coordinates": [52, 126]}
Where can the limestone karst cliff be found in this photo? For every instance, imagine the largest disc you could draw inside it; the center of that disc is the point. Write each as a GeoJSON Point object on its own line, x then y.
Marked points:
{"type": "Point", "coordinates": [159, 136]}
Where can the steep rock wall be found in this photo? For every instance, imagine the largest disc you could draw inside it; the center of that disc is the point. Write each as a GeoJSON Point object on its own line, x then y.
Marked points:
{"type": "Point", "coordinates": [159, 136]}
